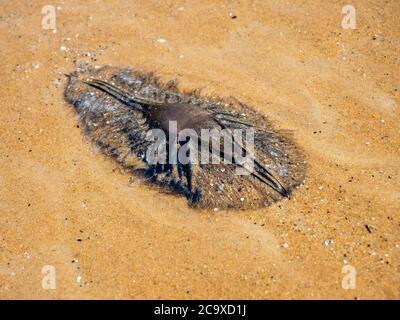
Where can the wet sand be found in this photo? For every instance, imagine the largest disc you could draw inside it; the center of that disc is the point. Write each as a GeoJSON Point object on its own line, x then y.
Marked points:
{"type": "Point", "coordinates": [63, 205]}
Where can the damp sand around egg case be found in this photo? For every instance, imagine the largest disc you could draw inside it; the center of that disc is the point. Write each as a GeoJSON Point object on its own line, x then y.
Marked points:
{"type": "Point", "coordinates": [118, 108]}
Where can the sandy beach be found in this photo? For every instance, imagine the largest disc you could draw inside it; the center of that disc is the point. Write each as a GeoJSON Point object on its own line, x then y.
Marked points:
{"type": "Point", "coordinates": [64, 205]}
